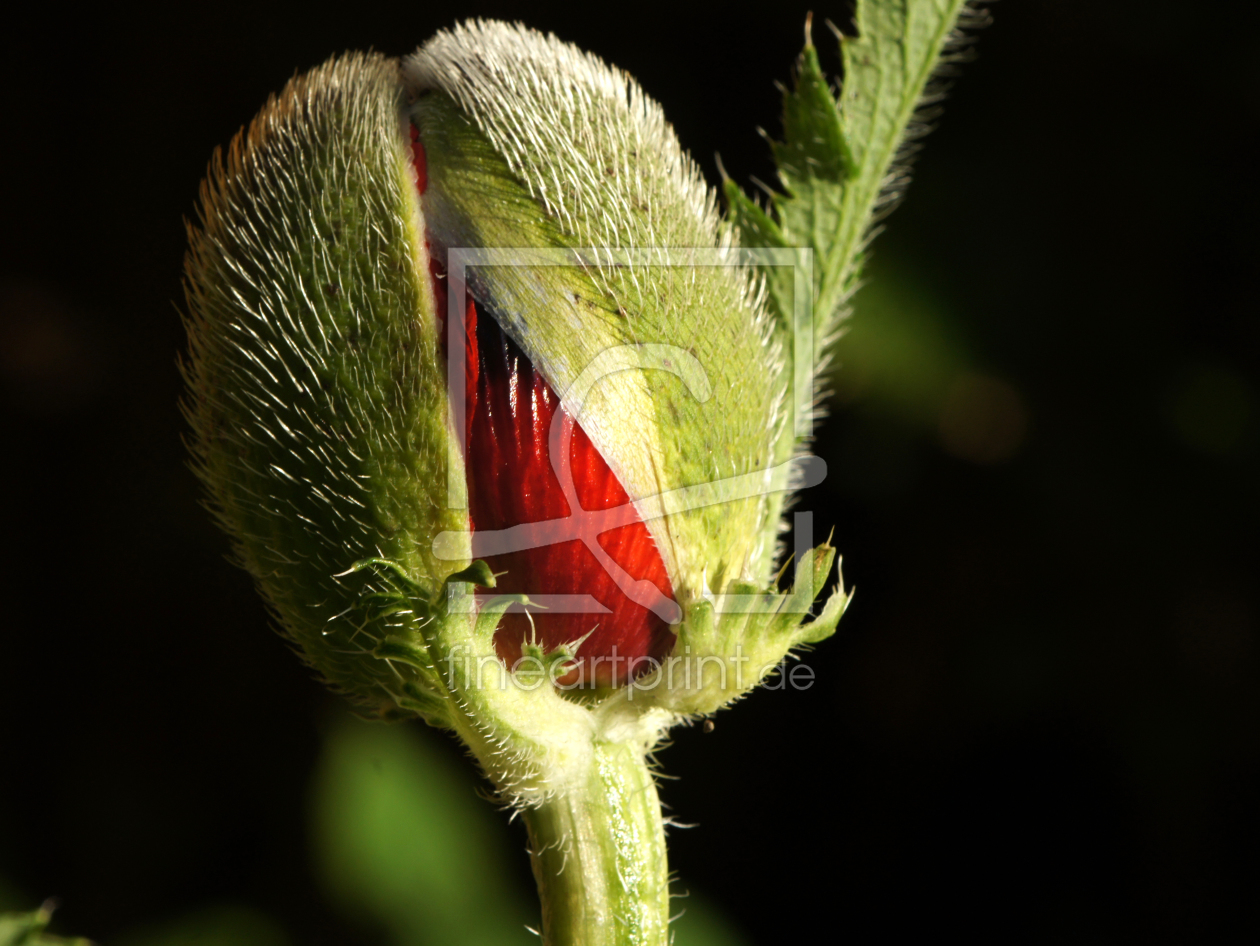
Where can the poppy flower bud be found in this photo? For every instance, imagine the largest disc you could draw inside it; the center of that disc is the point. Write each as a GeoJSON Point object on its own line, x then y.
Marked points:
{"type": "Point", "coordinates": [474, 322]}
{"type": "Point", "coordinates": [494, 405]}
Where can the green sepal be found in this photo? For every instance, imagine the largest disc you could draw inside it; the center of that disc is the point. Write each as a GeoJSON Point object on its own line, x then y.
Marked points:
{"type": "Point", "coordinates": [722, 655]}
{"type": "Point", "coordinates": [824, 625]}
{"type": "Point", "coordinates": [317, 390]}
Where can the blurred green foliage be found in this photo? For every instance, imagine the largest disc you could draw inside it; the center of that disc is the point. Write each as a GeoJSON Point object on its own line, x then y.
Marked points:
{"type": "Point", "coordinates": [903, 361]}
{"type": "Point", "coordinates": [900, 352]}
{"type": "Point", "coordinates": [27, 929]}
{"type": "Point", "coordinates": [403, 843]}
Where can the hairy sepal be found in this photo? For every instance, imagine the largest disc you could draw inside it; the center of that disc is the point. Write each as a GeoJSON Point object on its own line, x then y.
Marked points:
{"type": "Point", "coordinates": [722, 655]}
{"type": "Point", "coordinates": [686, 388]}
{"type": "Point", "coordinates": [317, 395]}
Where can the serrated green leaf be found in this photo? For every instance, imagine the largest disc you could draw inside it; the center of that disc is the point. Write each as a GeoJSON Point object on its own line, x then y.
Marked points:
{"type": "Point", "coordinates": [813, 146]}
{"type": "Point", "coordinates": [837, 160]}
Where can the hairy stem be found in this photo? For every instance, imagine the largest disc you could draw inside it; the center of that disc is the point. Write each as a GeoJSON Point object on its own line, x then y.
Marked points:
{"type": "Point", "coordinates": [598, 853]}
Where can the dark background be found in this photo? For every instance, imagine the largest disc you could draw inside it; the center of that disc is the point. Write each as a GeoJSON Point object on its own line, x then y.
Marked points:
{"type": "Point", "coordinates": [1037, 722]}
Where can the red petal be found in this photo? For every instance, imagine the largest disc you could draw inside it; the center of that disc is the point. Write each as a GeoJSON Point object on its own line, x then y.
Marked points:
{"type": "Point", "coordinates": [511, 481]}
{"type": "Point", "coordinates": [418, 161]}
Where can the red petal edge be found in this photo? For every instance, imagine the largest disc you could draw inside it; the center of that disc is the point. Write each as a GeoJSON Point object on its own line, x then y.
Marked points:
{"type": "Point", "coordinates": [419, 162]}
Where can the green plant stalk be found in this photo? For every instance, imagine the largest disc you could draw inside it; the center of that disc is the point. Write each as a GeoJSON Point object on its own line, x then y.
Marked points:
{"type": "Point", "coordinates": [598, 854]}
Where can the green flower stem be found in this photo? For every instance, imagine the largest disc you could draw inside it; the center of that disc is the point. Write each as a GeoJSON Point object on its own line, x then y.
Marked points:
{"type": "Point", "coordinates": [598, 852]}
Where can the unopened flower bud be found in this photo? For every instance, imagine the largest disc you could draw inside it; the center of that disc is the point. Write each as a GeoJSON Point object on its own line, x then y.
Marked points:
{"type": "Point", "coordinates": [495, 406]}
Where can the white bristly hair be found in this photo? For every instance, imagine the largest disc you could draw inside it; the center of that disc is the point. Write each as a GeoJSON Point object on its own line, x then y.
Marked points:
{"type": "Point", "coordinates": [584, 121]}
